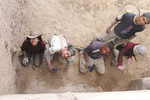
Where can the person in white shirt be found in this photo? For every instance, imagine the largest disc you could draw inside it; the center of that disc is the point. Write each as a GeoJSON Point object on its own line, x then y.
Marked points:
{"type": "Point", "coordinates": [58, 44]}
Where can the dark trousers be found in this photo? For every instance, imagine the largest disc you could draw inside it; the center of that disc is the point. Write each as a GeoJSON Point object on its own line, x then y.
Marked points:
{"type": "Point", "coordinates": [37, 58]}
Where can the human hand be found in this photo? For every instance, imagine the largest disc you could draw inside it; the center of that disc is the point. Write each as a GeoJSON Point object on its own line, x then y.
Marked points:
{"type": "Point", "coordinates": [25, 61]}
{"type": "Point", "coordinates": [52, 69]}
{"type": "Point", "coordinates": [120, 68]}
{"type": "Point", "coordinates": [129, 61]}
{"type": "Point", "coordinates": [66, 70]}
{"type": "Point", "coordinates": [125, 43]}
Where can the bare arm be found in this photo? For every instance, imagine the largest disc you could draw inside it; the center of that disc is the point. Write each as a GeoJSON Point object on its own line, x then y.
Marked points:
{"type": "Point", "coordinates": [114, 23]}
{"type": "Point", "coordinates": [68, 63]}
{"type": "Point", "coordinates": [67, 66]}
{"type": "Point", "coordinates": [48, 60]}
{"type": "Point", "coordinates": [109, 28]}
{"type": "Point", "coordinates": [49, 64]}
{"type": "Point", "coordinates": [133, 36]}
{"type": "Point", "coordinates": [125, 43]}
{"type": "Point", "coordinates": [86, 58]}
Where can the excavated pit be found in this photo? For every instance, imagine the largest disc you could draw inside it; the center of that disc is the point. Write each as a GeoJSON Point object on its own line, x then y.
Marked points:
{"type": "Point", "coordinates": [80, 21]}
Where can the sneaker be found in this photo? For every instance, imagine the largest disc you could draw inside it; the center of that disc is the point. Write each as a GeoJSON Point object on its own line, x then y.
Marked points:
{"type": "Point", "coordinates": [112, 64]}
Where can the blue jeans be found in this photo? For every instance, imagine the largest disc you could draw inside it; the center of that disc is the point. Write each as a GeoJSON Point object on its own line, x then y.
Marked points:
{"type": "Point", "coordinates": [37, 58]}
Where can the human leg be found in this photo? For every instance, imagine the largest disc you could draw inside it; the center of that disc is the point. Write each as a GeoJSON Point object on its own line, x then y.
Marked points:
{"type": "Point", "coordinates": [114, 61]}
{"type": "Point", "coordinates": [37, 59]}
{"type": "Point", "coordinates": [108, 37]}
{"type": "Point", "coordinates": [119, 40]}
{"type": "Point", "coordinates": [100, 65]}
{"type": "Point", "coordinates": [82, 67]}
{"type": "Point", "coordinates": [82, 64]}
{"type": "Point", "coordinates": [125, 60]}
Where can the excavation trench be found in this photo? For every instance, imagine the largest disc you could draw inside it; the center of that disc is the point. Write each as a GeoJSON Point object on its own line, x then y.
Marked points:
{"type": "Point", "coordinates": [80, 21]}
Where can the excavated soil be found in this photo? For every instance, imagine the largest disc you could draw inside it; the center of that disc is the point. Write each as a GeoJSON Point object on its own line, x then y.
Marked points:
{"type": "Point", "coordinates": [80, 21]}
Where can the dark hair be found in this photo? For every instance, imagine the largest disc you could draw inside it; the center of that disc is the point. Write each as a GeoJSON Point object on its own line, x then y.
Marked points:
{"type": "Point", "coordinates": [39, 40]}
{"type": "Point", "coordinates": [111, 45]}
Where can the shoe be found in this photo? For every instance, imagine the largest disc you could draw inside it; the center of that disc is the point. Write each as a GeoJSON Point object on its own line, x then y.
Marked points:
{"type": "Point", "coordinates": [112, 64]}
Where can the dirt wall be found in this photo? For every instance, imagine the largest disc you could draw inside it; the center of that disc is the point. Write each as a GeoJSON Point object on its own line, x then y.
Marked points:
{"type": "Point", "coordinates": [10, 28]}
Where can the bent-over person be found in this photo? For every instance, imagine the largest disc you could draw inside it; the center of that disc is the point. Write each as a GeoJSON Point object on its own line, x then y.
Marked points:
{"type": "Point", "coordinates": [58, 44]}
{"type": "Point", "coordinates": [94, 54]}
{"type": "Point", "coordinates": [123, 54]}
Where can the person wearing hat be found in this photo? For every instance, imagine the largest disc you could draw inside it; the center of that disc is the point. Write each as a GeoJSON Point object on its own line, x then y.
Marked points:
{"type": "Point", "coordinates": [124, 54]}
{"type": "Point", "coordinates": [33, 46]}
{"type": "Point", "coordinates": [126, 27]}
{"type": "Point", "coordinates": [58, 44]}
{"type": "Point", "coordinates": [93, 55]}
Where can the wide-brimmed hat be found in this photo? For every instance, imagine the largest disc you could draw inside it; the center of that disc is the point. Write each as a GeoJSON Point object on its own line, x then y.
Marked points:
{"type": "Point", "coordinates": [139, 50]}
{"type": "Point", "coordinates": [71, 49]}
{"type": "Point", "coordinates": [34, 34]}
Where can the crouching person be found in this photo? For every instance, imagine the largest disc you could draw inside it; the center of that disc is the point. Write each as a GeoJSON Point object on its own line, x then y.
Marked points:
{"type": "Point", "coordinates": [32, 46]}
{"type": "Point", "coordinates": [123, 54]}
{"type": "Point", "coordinates": [93, 55]}
{"type": "Point", "coordinates": [58, 44]}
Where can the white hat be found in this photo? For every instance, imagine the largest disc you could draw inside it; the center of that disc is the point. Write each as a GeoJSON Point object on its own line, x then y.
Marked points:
{"type": "Point", "coordinates": [139, 50]}
{"type": "Point", "coordinates": [33, 34]}
{"type": "Point", "coordinates": [132, 9]}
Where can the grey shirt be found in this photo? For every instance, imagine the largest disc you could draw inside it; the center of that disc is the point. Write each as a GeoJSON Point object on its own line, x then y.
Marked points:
{"type": "Point", "coordinates": [93, 49]}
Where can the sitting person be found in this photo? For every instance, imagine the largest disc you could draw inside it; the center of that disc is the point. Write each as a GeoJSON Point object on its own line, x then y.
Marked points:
{"type": "Point", "coordinates": [58, 44]}
{"type": "Point", "coordinates": [32, 46]}
{"type": "Point", "coordinates": [123, 54]}
{"type": "Point", "coordinates": [94, 54]}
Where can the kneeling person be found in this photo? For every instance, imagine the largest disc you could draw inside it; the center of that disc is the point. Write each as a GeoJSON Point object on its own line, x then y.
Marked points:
{"type": "Point", "coordinates": [93, 54]}
{"type": "Point", "coordinates": [33, 46]}
{"type": "Point", "coordinates": [58, 44]}
{"type": "Point", "coordinates": [123, 54]}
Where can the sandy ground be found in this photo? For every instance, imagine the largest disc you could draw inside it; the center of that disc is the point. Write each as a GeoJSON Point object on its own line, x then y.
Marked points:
{"type": "Point", "coordinates": [80, 21]}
